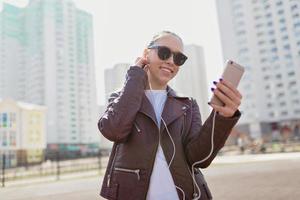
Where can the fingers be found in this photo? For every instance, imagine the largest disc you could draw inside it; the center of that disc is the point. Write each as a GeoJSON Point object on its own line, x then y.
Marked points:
{"type": "Point", "coordinates": [225, 99]}
{"type": "Point", "coordinates": [232, 87]}
{"type": "Point", "coordinates": [228, 92]}
{"type": "Point", "coordinates": [229, 95]}
{"type": "Point", "coordinates": [141, 62]}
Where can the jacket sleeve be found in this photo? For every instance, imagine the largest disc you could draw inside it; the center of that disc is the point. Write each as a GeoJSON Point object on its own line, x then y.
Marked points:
{"type": "Point", "coordinates": [117, 121]}
{"type": "Point", "coordinates": [198, 142]}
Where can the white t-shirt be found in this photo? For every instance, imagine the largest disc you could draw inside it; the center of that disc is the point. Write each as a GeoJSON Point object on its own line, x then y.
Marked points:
{"type": "Point", "coordinates": [161, 182]}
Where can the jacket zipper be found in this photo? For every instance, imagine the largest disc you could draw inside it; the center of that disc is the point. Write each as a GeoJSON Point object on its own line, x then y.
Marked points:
{"type": "Point", "coordinates": [136, 171]}
{"type": "Point", "coordinates": [154, 157]}
{"type": "Point", "coordinates": [111, 168]}
{"type": "Point", "coordinates": [137, 127]}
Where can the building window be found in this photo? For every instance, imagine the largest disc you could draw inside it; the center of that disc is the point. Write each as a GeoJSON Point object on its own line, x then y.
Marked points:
{"type": "Point", "coordinates": [282, 20]}
{"type": "Point", "coordinates": [268, 15]}
{"type": "Point", "coordinates": [296, 25]}
{"type": "Point", "coordinates": [296, 15]}
{"type": "Point", "coordinates": [280, 12]}
{"type": "Point", "coordinates": [293, 7]}
{"type": "Point", "coordinates": [286, 37]}
{"type": "Point", "coordinates": [296, 101]}
{"type": "Point", "coordinates": [288, 56]}
{"type": "Point", "coordinates": [269, 105]}
{"type": "Point", "coordinates": [279, 3]}
{"type": "Point", "coordinates": [267, 6]}
{"type": "Point", "coordinates": [280, 94]}
{"type": "Point", "coordinates": [291, 73]}
{"type": "Point", "coordinates": [292, 83]}
{"type": "Point", "coordinates": [271, 32]}
{"type": "Point", "coordinates": [279, 85]}
{"type": "Point", "coordinates": [263, 60]}
{"type": "Point", "coordinates": [283, 29]}
{"type": "Point", "coordinates": [260, 34]}
{"type": "Point", "coordinates": [282, 103]}
{"type": "Point", "coordinates": [274, 49]}
{"type": "Point", "coordinates": [267, 77]}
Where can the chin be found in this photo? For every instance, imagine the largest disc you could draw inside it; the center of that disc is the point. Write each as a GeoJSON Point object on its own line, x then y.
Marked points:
{"type": "Point", "coordinates": [165, 81]}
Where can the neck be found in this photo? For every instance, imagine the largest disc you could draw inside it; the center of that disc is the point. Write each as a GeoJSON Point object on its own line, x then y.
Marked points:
{"type": "Point", "coordinates": [156, 86]}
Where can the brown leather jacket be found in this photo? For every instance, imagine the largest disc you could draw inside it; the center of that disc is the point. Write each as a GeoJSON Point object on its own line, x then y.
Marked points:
{"type": "Point", "coordinates": [129, 121]}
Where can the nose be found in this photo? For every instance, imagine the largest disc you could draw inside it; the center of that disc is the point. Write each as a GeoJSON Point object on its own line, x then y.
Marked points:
{"type": "Point", "coordinates": [170, 60]}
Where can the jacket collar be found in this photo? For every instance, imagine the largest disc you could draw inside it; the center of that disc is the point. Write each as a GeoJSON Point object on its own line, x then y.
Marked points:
{"type": "Point", "coordinates": [173, 108]}
{"type": "Point", "coordinates": [173, 93]}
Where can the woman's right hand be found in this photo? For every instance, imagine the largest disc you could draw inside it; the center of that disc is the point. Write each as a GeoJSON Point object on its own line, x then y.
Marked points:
{"type": "Point", "coordinates": [141, 62]}
{"type": "Point", "coordinates": [144, 64]}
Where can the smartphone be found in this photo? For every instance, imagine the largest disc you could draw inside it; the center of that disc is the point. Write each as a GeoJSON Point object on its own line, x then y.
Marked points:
{"type": "Point", "coordinates": [233, 73]}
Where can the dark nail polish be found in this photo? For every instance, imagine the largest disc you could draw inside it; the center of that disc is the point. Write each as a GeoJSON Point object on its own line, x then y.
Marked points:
{"type": "Point", "coordinates": [208, 103]}
{"type": "Point", "coordinates": [215, 82]}
{"type": "Point", "coordinates": [221, 79]}
{"type": "Point", "coordinates": [212, 89]}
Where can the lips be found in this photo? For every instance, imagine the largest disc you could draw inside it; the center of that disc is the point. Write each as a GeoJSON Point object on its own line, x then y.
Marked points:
{"type": "Point", "coordinates": [166, 69]}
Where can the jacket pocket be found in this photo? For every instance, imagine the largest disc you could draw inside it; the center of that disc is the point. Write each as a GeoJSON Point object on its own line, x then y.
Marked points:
{"type": "Point", "coordinates": [125, 170]}
{"type": "Point", "coordinates": [131, 182]}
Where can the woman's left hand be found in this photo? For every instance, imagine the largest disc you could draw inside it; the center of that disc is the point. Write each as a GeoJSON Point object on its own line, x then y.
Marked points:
{"type": "Point", "coordinates": [229, 95]}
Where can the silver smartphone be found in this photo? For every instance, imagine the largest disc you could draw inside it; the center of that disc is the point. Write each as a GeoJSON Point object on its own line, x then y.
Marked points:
{"type": "Point", "coordinates": [233, 73]}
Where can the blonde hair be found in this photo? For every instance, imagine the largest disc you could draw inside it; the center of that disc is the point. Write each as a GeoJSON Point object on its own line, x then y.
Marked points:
{"type": "Point", "coordinates": [162, 34]}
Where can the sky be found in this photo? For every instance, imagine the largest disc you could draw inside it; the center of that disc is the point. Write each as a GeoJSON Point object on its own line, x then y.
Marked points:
{"type": "Point", "coordinates": [123, 28]}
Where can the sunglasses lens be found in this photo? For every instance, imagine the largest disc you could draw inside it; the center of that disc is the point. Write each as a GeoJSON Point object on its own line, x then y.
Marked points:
{"type": "Point", "coordinates": [179, 59]}
{"type": "Point", "coordinates": [164, 53]}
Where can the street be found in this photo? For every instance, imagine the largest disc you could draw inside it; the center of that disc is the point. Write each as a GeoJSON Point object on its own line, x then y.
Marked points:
{"type": "Point", "coordinates": [274, 179]}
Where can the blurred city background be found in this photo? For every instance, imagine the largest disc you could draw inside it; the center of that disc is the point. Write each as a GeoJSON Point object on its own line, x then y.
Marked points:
{"type": "Point", "coordinates": [60, 60]}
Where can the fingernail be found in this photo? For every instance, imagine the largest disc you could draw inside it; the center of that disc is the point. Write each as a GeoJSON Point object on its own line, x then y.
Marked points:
{"type": "Point", "coordinates": [208, 103]}
{"type": "Point", "coordinates": [221, 79]}
{"type": "Point", "coordinates": [212, 89]}
{"type": "Point", "coordinates": [215, 82]}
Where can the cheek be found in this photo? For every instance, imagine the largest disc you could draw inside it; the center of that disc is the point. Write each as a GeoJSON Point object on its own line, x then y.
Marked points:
{"type": "Point", "coordinates": [155, 62]}
{"type": "Point", "coordinates": [153, 58]}
{"type": "Point", "coordinates": [176, 70]}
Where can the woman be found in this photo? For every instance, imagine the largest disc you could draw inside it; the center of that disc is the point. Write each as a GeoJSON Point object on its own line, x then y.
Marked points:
{"type": "Point", "coordinates": [159, 140]}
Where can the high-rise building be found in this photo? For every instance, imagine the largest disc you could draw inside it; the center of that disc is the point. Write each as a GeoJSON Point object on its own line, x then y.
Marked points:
{"type": "Point", "coordinates": [264, 37]}
{"type": "Point", "coordinates": [47, 58]}
{"type": "Point", "coordinates": [115, 78]}
{"type": "Point", "coordinates": [191, 79]}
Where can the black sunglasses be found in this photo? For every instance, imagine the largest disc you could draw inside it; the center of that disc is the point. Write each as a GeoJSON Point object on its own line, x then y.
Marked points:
{"type": "Point", "coordinates": [165, 53]}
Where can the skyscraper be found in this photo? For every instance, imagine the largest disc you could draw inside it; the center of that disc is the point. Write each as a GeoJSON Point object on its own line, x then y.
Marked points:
{"type": "Point", "coordinates": [47, 58]}
{"type": "Point", "coordinates": [264, 37]}
{"type": "Point", "coordinates": [114, 78]}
